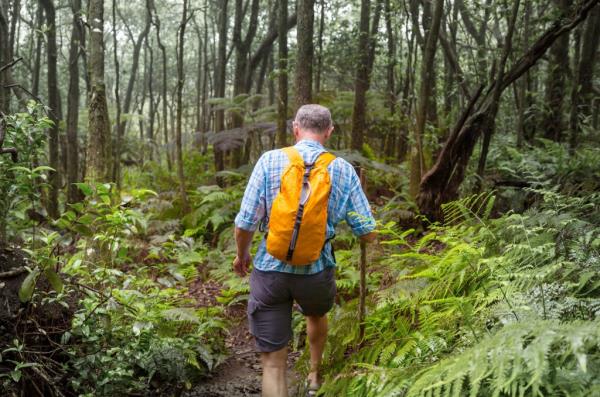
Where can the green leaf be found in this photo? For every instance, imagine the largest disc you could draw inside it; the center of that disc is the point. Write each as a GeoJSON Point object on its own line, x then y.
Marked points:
{"type": "Point", "coordinates": [85, 188]}
{"type": "Point", "coordinates": [54, 279]}
{"type": "Point", "coordinates": [42, 168]}
{"type": "Point", "coordinates": [26, 290]}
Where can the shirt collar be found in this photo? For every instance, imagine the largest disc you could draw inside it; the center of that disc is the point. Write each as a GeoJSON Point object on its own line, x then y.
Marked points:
{"type": "Point", "coordinates": [310, 143]}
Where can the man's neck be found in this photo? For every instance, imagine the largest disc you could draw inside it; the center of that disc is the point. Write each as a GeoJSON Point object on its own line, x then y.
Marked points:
{"type": "Point", "coordinates": [309, 138]}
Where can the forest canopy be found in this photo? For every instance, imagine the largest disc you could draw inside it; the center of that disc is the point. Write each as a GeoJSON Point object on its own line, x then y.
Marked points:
{"type": "Point", "coordinates": [128, 131]}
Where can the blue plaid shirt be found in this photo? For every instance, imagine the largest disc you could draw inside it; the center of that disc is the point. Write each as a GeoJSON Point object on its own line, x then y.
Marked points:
{"type": "Point", "coordinates": [346, 202]}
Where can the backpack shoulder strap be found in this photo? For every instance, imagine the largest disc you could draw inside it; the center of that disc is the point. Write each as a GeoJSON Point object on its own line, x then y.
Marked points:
{"type": "Point", "coordinates": [294, 155]}
{"type": "Point", "coordinates": [325, 159]}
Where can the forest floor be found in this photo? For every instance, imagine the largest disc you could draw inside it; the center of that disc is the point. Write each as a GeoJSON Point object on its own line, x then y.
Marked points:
{"type": "Point", "coordinates": [240, 374]}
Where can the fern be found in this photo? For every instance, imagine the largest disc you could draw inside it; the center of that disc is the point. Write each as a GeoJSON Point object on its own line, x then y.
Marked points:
{"type": "Point", "coordinates": [520, 359]}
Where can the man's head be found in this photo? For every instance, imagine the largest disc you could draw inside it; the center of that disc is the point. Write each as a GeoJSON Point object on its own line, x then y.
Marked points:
{"type": "Point", "coordinates": [313, 122]}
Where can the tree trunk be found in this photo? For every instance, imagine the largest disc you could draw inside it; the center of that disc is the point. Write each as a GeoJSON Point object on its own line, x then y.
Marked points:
{"type": "Point", "coordinates": [180, 81]}
{"type": "Point", "coordinates": [35, 80]}
{"type": "Point", "coordinates": [73, 194]}
{"type": "Point", "coordinates": [583, 94]}
{"type": "Point", "coordinates": [556, 90]}
{"type": "Point", "coordinates": [219, 81]}
{"type": "Point", "coordinates": [54, 105]}
{"type": "Point", "coordinates": [282, 76]}
{"type": "Point", "coordinates": [98, 164]}
{"type": "Point", "coordinates": [490, 127]}
{"type": "Point", "coordinates": [129, 93]}
{"type": "Point", "coordinates": [303, 84]}
{"type": "Point", "coordinates": [242, 47]}
{"type": "Point", "coordinates": [426, 85]}
{"type": "Point", "coordinates": [390, 87]}
{"type": "Point", "coordinates": [5, 58]}
{"type": "Point", "coordinates": [361, 83]}
{"type": "Point", "coordinates": [165, 113]}
{"type": "Point", "coordinates": [441, 183]}
{"type": "Point", "coordinates": [117, 146]}
{"type": "Point", "coordinates": [320, 47]}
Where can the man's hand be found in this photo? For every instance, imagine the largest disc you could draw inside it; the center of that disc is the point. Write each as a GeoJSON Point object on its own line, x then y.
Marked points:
{"type": "Point", "coordinates": [242, 264]}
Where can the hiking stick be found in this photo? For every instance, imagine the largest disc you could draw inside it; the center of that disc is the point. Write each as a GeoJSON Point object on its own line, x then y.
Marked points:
{"type": "Point", "coordinates": [363, 271]}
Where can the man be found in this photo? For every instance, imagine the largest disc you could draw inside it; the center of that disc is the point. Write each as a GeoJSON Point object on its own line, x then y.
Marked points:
{"type": "Point", "coordinates": [275, 284]}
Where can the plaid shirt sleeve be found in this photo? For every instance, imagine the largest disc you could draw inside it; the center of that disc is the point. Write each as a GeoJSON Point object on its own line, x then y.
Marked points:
{"type": "Point", "coordinates": [253, 205]}
{"type": "Point", "coordinates": [358, 212]}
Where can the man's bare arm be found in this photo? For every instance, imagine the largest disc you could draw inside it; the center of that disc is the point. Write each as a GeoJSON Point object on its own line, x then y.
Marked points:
{"type": "Point", "coordinates": [243, 240]}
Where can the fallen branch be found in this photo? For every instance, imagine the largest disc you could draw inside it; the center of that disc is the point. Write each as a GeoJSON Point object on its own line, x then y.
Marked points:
{"type": "Point", "coordinates": [13, 272]}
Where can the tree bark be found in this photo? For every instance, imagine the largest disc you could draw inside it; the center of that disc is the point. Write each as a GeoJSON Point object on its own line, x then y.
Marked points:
{"type": "Point", "coordinates": [426, 85]}
{"type": "Point", "coordinates": [98, 164]}
{"type": "Point", "coordinates": [303, 82]}
{"type": "Point", "coordinates": [73, 194]}
{"type": "Point", "coordinates": [180, 81]}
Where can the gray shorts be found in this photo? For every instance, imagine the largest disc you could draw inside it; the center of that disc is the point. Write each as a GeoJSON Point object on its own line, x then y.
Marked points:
{"type": "Point", "coordinates": [271, 298]}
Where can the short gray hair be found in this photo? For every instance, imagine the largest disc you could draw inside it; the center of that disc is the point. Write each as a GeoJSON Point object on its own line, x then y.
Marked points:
{"type": "Point", "coordinates": [315, 118]}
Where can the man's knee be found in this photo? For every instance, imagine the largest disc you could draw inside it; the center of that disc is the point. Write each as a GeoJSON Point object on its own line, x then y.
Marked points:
{"type": "Point", "coordinates": [275, 360]}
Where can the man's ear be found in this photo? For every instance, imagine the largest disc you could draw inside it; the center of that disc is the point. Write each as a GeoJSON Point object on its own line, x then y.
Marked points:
{"type": "Point", "coordinates": [328, 133]}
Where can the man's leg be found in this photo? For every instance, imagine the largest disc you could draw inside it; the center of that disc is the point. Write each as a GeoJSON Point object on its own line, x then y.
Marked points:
{"type": "Point", "coordinates": [274, 381]}
{"type": "Point", "coordinates": [316, 328]}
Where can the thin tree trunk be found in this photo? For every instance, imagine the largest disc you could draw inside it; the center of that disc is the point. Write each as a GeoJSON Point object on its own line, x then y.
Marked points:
{"type": "Point", "coordinates": [220, 70]}
{"type": "Point", "coordinates": [129, 93]}
{"type": "Point", "coordinates": [282, 85]}
{"type": "Point", "coordinates": [98, 164]}
{"type": "Point", "coordinates": [553, 123]}
{"type": "Point", "coordinates": [5, 58]}
{"type": "Point", "coordinates": [490, 125]}
{"type": "Point", "coordinates": [35, 81]}
{"type": "Point", "coordinates": [426, 85]}
{"type": "Point", "coordinates": [304, 63]}
{"type": "Point", "coordinates": [117, 151]}
{"type": "Point", "coordinates": [180, 81]}
{"type": "Point", "coordinates": [582, 98]}
{"type": "Point", "coordinates": [320, 48]}
{"type": "Point", "coordinates": [73, 194]}
{"type": "Point", "coordinates": [54, 105]}
{"type": "Point", "coordinates": [156, 22]}
{"type": "Point", "coordinates": [361, 83]}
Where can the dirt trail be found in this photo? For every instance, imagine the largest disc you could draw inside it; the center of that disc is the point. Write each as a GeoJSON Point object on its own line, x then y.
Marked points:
{"type": "Point", "coordinates": [240, 374]}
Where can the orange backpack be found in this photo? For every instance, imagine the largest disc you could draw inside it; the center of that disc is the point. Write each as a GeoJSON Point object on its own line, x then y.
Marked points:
{"type": "Point", "coordinates": [298, 220]}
